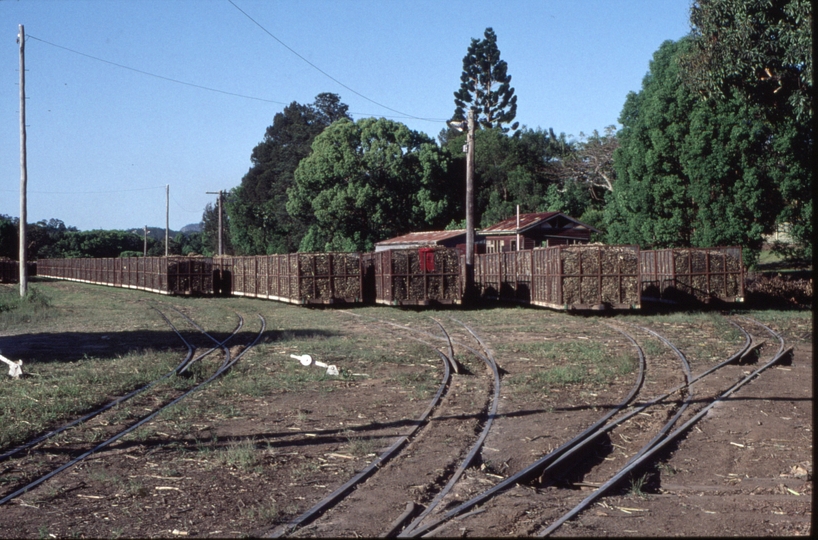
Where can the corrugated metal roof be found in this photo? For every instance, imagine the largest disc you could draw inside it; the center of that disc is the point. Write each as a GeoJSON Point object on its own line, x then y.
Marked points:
{"type": "Point", "coordinates": [427, 237]}
{"type": "Point", "coordinates": [528, 221]}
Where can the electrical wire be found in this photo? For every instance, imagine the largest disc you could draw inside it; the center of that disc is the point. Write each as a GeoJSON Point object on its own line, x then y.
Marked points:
{"type": "Point", "coordinates": [324, 73]}
{"type": "Point", "coordinates": [224, 92]}
{"type": "Point", "coordinates": [84, 192]}
{"type": "Point", "coordinates": [177, 81]}
{"type": "Point", "coordinates": [182, 207]}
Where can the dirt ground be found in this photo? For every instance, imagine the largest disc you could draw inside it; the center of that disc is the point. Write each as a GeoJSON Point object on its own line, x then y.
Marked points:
{"type": "Point", "coordinates": [744, 470]}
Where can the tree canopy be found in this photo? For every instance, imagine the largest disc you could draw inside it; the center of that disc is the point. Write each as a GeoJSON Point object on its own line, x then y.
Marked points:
{"type": "Point", "coordinates": [367, 181]}
{"type": "Point", "coordinates": [716, 148]}
{"type": "Point", "coordinates": [485, 86]}
{"type": "Point", "coordinates": [258, 219]}
{"type": "Point", "coordinates": [691, 172]}
{"type": "Point", "coordinates": [762, 48]}
{"type": "Point", "coordinates": [760, 52]}
{"type": "Point", "coordinates": [209, 239]}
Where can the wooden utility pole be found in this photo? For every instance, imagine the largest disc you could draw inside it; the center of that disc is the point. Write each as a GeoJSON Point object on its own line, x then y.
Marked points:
{"type": "Point", "coordinates": [518, 228]}
{"type": "Point", "coordinates": [167, 217]}
{"type": "Point", "coordinates": [221, 228]}
{"type": "Point", "coordinates": [220, 193]}
{"type": "Point", "coordinates": [470, 208]}
{"type": "Point", "coordinates": [145, 248]}
{"type": "Point", "coordinates": [21, 39]}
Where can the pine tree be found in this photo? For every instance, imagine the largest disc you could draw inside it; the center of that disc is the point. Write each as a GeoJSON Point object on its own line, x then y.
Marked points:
{"type": "Point", "coordinates": [485, 86]}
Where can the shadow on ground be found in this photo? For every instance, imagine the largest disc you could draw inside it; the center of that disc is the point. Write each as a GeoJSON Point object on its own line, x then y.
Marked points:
{"type": "Point", "coordinates": [71, 346]}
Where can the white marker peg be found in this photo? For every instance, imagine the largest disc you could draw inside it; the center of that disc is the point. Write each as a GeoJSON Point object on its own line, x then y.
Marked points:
{"type": "Point", "coordinates": [332, 370]}
{"type": "Point", "coordinates": [14, 367]}
{"type": "Point", "coordinates": [305, 359]}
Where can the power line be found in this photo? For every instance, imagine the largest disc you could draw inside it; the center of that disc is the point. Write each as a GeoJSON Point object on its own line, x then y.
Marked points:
{"type": "Point", "coordinates": [177, 81]}
{"type": "Point", "coordinates": [86, 192]}
{"type": "Point", "coordinates": [182, 207]}
{"type": "Point", "coordinates": [224, 92]}
{"type": "Point", "coordinates": [407, 115]}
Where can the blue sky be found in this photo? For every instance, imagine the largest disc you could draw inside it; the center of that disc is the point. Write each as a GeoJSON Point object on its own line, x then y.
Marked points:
{"type": "Point", "coordinates": [104, 140]}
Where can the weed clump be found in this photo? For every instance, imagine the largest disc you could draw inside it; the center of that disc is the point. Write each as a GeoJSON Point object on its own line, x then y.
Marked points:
{"type": "Point", "coordinates": [14, 310]}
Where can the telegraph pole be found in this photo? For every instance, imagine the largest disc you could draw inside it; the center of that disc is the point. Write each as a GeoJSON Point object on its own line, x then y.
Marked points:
{"type": "Point", "coordinates": [21, 39]}
{"type": "Point", "coordinates": [167, 216]}
{"type": "Point", "coordinates": [220, 193]}
{"type": "Point", "coordinates": [470, 208]}
{"type": "Point", "coordinates": [469, 149]}
{"type": "Point", "coordinates": [145, 248]}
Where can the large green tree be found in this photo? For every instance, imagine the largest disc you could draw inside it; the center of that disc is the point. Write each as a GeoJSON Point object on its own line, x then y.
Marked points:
{"type": "Point", "coordinates": [509, 171]}
{"type": "Point", "coordinates": [762, 48]}
{"type": "Point", "coordinates": [584, 176]}
{"type": "Point", "coordinates": [9, 237]}
{"type": "Point", "coordinates": [760, 52]}
{"type": "Point", "coordinates": [485, 86]}
{"type": "Point", "coordinates": [259, 221]}
{"type": "Point", "coordinates": [650, 203]}
{"type": "Point", "coordinates": [210, 230]}
{"type": "Point", "coordinates": [366, 181]}
{"type": "Point", "coordinates": [100, 243]}
{"type": "Point", "coordinates": [691, 172]}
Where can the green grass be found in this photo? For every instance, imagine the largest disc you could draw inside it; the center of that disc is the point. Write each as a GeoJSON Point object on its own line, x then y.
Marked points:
{"type": "Point", "coordinates": [241, 455]}
{"type": "Point", "coordinates": [653, 347]}
{"type": "Point", "coordinates": [637, 486]}
{"type": "Point", "coordinates": [794, 325]}
{"type": "Point", "coordinates": [421, 384]}
{"type": "Point", "coordinates": [266, 510]}
{"type": "Point", "coordinates": [53, 392]}
{"type": "Point", "coordinates": [767, 257]}
{"type": "Point", "coordinates": [94, 343]}
{"type": "Point", "coordinates": [359, 446]}
{"type": "Point", "coordinates": [570, 362]}
{"type": "Point", "coordinates": [16, 311]}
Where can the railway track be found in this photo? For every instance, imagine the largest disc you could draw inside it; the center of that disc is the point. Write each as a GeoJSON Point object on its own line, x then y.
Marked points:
{"type": "Point", "coordinates": [226, 364]}
{"type": "Point", "coordinates": [181, 368]}
{"type": "Point", "coordinates": [549, 469]}
{"type": "Point", "coordinates": [328, 501]}
{"type": "Point", "coordinates": [436, 492]}
{"type": "Point", "coordinates": [418, 511]}
{"type": "Point", "coordinates": [535, 470]}
{"type": "Point", "coordinates": [491, 364]}
{"type": "Point", "coordinates": [440, 415]}
{"type": "Point", "coordinates": [557, 481]}
{"type": "Point", "coordinates": [643, 457]}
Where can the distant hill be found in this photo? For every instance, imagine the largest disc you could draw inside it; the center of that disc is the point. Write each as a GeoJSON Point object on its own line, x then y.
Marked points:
{"type": "Point", "coordinates": [158, 233]}
{"type": "Point", "coordinates": [154, 232]}
{"type": "Point", "coordinates": [192, 228]}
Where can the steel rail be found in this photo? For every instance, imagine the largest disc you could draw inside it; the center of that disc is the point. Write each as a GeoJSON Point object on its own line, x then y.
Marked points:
{"type": "Point", "coordinates": [650, 403]}
{"type": "Point", "coordinates": [416, 331]}
{"type": "Point", "coordinates": [768, 329]}
{"type": "Point", "coordinates": [592, 437]}
{"type": "Point", "coordinates": [780, 355]}
{"type": "Point", "coordinates": [182, 365]}
{"type": "Point", "coordinates": [225, 367]}
{"type": "Point", "coordinates": [547, 473]}
{"type": "Point", "coordinates": [491, 363]}
{"type": "Point", "coordinates": [455, 367]}
{"type": "Point", "coordinates": [220, 344]}
{"type": "Point", "coordinates": [533, 470]}
{"type": "Point", "coordinates": [340, 492]}
{"type": "Point", "coordinates": [555, 458]}
{"type": "Point", "coordinates": [203, 331]}
{"type": "Point", "coordinates": [688, 376]}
